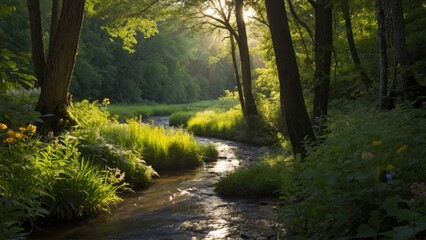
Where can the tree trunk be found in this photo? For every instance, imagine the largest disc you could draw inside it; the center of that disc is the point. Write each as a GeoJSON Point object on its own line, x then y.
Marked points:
{"type": "Point", "coordinates": [352, 47]}
{"type": "Point", "coordinates": [237, 75]}
{"type": "Point", "coordinates": [292, 102]}
{"type": "Point", "coordinates": [54, 97]}
{"type": "Point", "coordinates": [250, 104]}
{"type": "Point", "coordinates": [384, 101]}
{"type": "Point", "coordinates": [38, 57]}
{"type": "Point", "coordinates": [323, 48]}
{"type": "Point", "coordinates": [411, 89]}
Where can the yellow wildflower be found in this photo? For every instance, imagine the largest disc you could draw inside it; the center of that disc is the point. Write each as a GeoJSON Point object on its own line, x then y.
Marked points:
{"type": "Point", "coordinates": [390, 168]}
{"type": "Point", "coordinates": [106, 101]}
{"type": "Point", "coordinates": [19, 135]}
{"type": "Point", "coordinates": [22, 129]}
{"type": "Point", "coordinates": [11, 133]}
{"type": "Point", "coordinates": [8, 140]}
{"type": "Point", "coordinates": [367, 155]}
{"type": "Point", "coordinates": [402, 149]}
{"type": "Point", "coordinates": [376, 143]}
{"type": "Point", "coordinates": [31, 128]}
{"type": "Point", "coordinates": [3, 126]}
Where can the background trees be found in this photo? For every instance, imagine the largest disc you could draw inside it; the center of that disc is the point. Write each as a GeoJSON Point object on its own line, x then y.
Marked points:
{"type": "Point", "coordinates": [177, 65]}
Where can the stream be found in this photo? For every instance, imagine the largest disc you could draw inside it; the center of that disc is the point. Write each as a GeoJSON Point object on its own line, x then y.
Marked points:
{"type": "Point", "coordinates": [184, 205]}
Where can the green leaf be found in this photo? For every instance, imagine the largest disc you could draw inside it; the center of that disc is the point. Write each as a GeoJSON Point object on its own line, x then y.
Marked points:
{"type": "Point", "coordinates": [402, 232]}
{"type": "Point", "coordinates": [390, 205]}
{"type": "Point", "coordinates": [365, 231]}
{"type": "Point", "coordinates": [403, 214]}
{"type": "Point", "coordinates": [375, 221]}
{"type": "Point", "coordinates": [11, 64]}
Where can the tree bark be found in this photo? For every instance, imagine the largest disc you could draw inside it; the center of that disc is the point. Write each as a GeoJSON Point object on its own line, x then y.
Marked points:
{"type": "Point", "coordinates": [237, 75]}
{"type": "Point", "coordinates": [323, 48]}
{"type": "Point", "coordinates": [411, 89]}
{"type": "Point", "coordinates": [54, 98]}
{"type": "Point", "coordinates": [292, 102]}
{"type": "Point", "coordinates": [352, 47]}
{"type": "Point", "coordinates": [384, 101]}
{"type": "Point", "coordinates": [54, 20]}
{"type": "Point", "coordinates": [38, 57]}
{"type": "Point", "coordinates": [250, 104]}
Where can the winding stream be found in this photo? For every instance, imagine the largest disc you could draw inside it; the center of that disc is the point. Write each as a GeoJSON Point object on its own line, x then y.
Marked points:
{"type": "Point", "coordinates": [184, 206]}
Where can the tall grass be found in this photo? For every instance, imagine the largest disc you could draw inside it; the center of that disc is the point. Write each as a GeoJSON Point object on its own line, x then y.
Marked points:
{"type": "Point", "coordinates": [48, 179]}
{"type": "Point", "coordinates": [181, 118]}
{"type": "Point", "coordinates": [229, 125]}
{"type": "Point", "coordinates": [93, 117]}
{"type": "Point", "coordinates": [163, 149]}
{"type": "Point", "coordinates": [261, 179]}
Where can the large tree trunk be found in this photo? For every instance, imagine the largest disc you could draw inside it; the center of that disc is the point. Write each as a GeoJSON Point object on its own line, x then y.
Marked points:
{"type": "Point", "coordinates": [384, 101]}
{"type": "Point", "coordinates": [323, 48]}
{"type": "Point", "coordinates": [250, 104]}
{"type": "Point", "coordinates": [237, 75]}
{"type": "Point", "coordinates": [292, 102]}
{"type": "Point", "coordinates": [411, 89]}
{"type": "Point", "coordinates": [352, 47]}
{"type": "Point", "coordinates": [54, 98]}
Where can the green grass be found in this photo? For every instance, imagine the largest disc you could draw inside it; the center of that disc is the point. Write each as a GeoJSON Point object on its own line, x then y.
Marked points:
{"type": "Point", "coordinates": [132, 111]}
{"type": "Point", "coordinates": [261, 179]}
{"type": "Point", "coordinates": [163, 149]}
{"type": "Point", "coordinates": [229, 125]}
{"type": "Point", "coordinates": [52, 180]}
{"type": "Point", "coordinates": [181, 118]}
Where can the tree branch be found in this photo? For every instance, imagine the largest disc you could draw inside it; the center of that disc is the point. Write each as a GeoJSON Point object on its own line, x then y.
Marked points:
{"type": "Point", "coordinates": [295, 16]}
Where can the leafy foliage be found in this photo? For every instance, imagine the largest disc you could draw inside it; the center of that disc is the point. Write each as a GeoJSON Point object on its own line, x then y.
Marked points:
{"type": "Point", "coordinates": [38, 180]}
{"type": "Point", "coordinates": [357, 182]}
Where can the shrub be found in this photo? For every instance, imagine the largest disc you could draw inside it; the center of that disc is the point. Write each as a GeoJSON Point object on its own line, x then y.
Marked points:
{"type": "Point", "coordinates": [17, 106]}
{"type": "Point", "coordinates": [357, 182]}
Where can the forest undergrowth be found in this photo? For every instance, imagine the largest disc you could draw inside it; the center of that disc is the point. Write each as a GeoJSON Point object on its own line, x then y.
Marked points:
{"type": "Point", "coordinates": [365, 180]}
